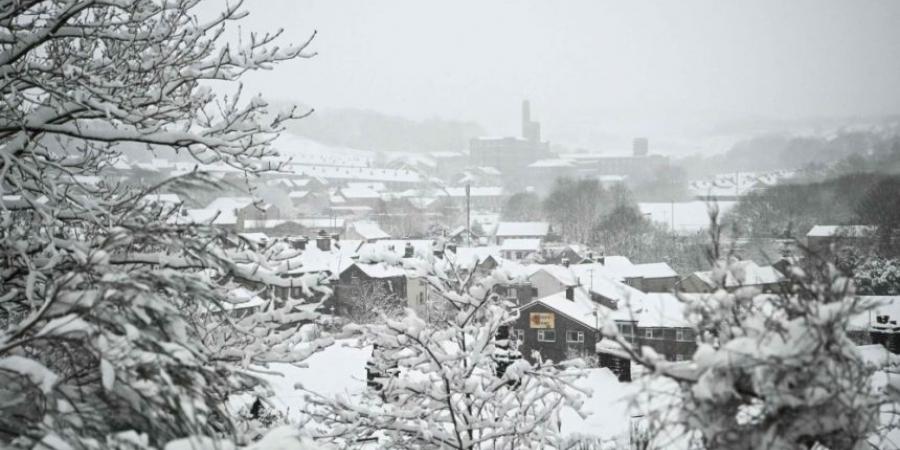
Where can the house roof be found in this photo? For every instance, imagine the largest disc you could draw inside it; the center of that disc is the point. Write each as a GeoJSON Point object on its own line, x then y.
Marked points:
{"type": "Point", "coordinates": [853, 231]}
{"type": "Point", "coordinates": [558, 162]}
{"type": "Point", "coordinates": [655, 270]}
{"type": "Point", "coordinates": [512, 229]}
{"type": "Point", "coordinates": [359, 192]}
{"type": "Point", "coordinates": [369, 230]}
{"type": "Point", "coordinates": [468, 257]}
{"type": "Point", "coordinates": [596, 280]}
{"type": "Point", "coordinates": [310, 222]}
{"type": "Point", "coordinates": [621, 268]}
{"type": "Point", "coordinates": [580, 310]}
{"type": "Point", "coordinates": [743, 273]}
{"type": "Point", "coordinates": [379, 270]}
{"type": "Point", "coordinates": [562, 274]}
{"type": "Point", "coordinates": [521, 244]}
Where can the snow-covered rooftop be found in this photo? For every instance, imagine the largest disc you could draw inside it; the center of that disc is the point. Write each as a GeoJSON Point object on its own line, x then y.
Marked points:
{"type": "Point", "coordinates": [379, 270]}
{"type": "Point", "coordinates": [854, 231]}
{"type": "Point", "coordinates": [581, 309]}
{"type": "Point", "coordinates": [597, 280]}
{"type": "Point", "coordinates": [548, 163]}
{"type": "Point", "coordinates": [310, 222]}
{"type": "Point", "coordinates": [521, 245]}
{"type": "Point", "coordinates": [562, 274]}
{"type": "Point", "coordinates": [359, 192]}
{"type": "Point", "coordinates": [369, 230]}
{"type": "Point", "coordinates": [513, 229]}
{"type": "Point", "coordinates": [743, 273]}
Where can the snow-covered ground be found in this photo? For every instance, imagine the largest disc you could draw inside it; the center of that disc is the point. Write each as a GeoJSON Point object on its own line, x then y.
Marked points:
{"type": "Point", "coordinates": [683, 217]}
{"type": "Point", "coordinates": [341, 370]}
{"type": "Point", "coordinates": [613, 408]}
{"type": "Point", "coordinates": [337, 370]}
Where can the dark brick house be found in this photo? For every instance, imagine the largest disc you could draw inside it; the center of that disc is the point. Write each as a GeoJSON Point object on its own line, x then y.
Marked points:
{"type": "Point", "coordinates": [367, 280]}
{"type": "Point", "coordinates": [556, 328]}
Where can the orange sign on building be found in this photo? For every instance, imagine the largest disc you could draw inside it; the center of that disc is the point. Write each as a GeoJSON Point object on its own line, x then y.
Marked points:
{"type": "Point", "coordinates": [542, 320]}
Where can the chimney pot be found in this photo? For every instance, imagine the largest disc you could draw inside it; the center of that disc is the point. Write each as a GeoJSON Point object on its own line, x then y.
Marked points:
{"type": "Point", "coordinates": [323, 242]}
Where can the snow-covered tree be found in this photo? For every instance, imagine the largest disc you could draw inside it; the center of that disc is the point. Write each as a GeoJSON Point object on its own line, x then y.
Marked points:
{"type": "Point", "coordinates": [772, 371]}
{"type": "Point", "coordinates": [100, 289]}
{"type": "Point", "coordinates": [438, 383]}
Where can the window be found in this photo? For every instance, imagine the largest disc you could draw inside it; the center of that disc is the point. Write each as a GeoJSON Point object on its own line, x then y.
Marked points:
{"type": "Point", "coordinates": [546, 335]}
{"type": "Point", "coordinates": [295, 292]}
{"type": "Point", "coordinates": [511, 293]}
{"type": "Point", "coordinates": [519, 335]}
{"type": "Point", "coordinates": [626, 329]}
{"type": "Point", "coordinates": [421, 298]}
{"type": "Point", "coordinates": [684, 334]}
{"type": "Point", "coordinates": [575, 336]}
{"type": "Point", "coordinates": [653, 333]}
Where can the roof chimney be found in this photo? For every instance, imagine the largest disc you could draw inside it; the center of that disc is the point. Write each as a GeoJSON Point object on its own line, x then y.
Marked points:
{"type": "Point", "coordinates": [299, 243]}
{"type": "Point", "coordinates": [323, 241]}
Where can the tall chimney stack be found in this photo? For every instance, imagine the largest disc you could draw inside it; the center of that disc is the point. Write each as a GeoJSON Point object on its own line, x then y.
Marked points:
{"type": "Point", "coordinates": [526, 117]}
{"type": "Point", "coordinates": [531, 130]}
{"type": "Point", "coordinates": [640, 146]}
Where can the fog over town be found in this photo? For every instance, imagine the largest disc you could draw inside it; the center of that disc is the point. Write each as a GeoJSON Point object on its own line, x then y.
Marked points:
{"type": "Point", "coordinates": [329, 224]}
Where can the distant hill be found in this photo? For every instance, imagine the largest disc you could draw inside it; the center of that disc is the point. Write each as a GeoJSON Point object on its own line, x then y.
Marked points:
{"type": "Point", "coordinates": [370, 130]}
{"type": "Point", "coordinates": [786, 150]}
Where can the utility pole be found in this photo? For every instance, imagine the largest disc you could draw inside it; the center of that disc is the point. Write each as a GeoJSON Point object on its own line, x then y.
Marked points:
{"type": "Point", "coordinates": [468, 215]}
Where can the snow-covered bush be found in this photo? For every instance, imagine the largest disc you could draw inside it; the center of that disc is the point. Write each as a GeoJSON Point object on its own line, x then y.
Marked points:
{"type": "Point", "coordinates": [878, 276]}
{"type": "Point", "coordinates": [100, 289]}
{"type": "Point", "coordinates": [773, 371]}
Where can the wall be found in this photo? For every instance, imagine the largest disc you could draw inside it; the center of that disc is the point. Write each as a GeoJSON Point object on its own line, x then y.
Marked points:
{"type": "Point", "coordinates": [559, 350]}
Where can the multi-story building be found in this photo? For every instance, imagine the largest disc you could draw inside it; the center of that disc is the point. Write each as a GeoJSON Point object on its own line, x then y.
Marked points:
{"type": "Point", "coordinates": [511, 155]}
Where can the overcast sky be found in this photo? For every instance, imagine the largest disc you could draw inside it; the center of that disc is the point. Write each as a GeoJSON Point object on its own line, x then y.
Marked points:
{"type": "Point", "coordinates": [590, 67]}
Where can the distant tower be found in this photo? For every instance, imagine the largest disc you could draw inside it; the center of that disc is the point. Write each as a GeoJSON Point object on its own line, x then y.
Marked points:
{"type": "Point", "coordinates": [640, 146]}
{"type": "Point", "coordinates": [531, 131]}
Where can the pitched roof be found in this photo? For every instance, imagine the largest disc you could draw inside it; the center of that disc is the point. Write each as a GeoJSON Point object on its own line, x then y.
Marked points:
{"type": "Point", "coordinates": [369, 230]}
{"type": "Point", "coordinates": [562, 274]}
{"type": "Point", "coordinates": [521, 244]}
{"type": "Point", "coordinates": [601, 282]}
{"type": "Point", "coordinates": [512, 229]}
{"type": "Point", "coordinates": [379, 270]}
{"type": "Point", "coordinates": [742, 273]}
{"type": "Point", "coordinates": [853, 231]}
{"type": "Point", "coordinates": [580, 310]}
